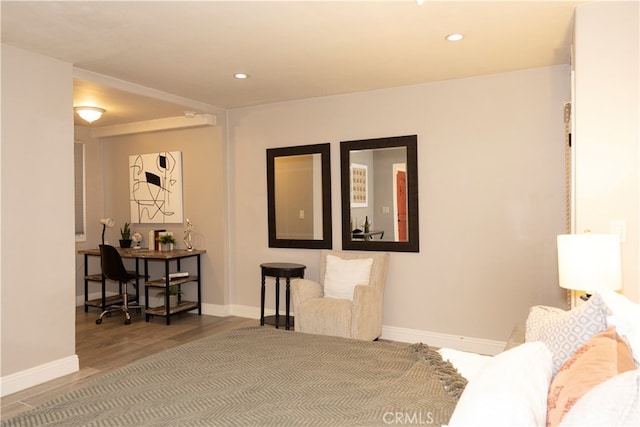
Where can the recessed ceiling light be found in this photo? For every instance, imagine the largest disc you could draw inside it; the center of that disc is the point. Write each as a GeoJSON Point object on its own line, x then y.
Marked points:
{"type": "Point", "coordinates": [454, 37]}
{"type": "Point", "coordinates": [240, 75]}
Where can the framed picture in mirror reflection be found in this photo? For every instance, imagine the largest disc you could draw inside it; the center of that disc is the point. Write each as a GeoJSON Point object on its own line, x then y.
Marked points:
{"type": "Point", "coordinates": [359, 186]}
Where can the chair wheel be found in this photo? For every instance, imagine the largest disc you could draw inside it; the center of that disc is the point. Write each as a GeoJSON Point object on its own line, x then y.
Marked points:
{"type": "Point", "coordinates": [127, 321]}
{"type": "Point", "coordinates": [98, 321]}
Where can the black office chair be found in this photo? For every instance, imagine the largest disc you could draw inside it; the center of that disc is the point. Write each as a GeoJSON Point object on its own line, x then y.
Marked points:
{"type": "Point", "coordinates": [113, 269]}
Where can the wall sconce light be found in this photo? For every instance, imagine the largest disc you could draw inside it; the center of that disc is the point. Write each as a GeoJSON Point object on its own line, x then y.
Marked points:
{"type": "Point", "coordinates": [588, 262]}
{"type": "Point", "coordinates": [89, 114]}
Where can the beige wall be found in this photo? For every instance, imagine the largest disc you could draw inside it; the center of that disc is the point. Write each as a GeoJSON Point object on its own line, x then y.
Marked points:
{"type": "Point", "coordinates": [491, 195]}
{"type": "Point", "coordinates": [607, 127]}
{"type": "Point", "coordinates": [203, 193]}
{"type": "Point", "coordinates": [37, 271]}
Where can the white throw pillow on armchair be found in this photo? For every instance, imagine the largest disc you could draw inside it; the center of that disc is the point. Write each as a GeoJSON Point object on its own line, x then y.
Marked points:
{"type": "Point", "coordinates": [342, 275]}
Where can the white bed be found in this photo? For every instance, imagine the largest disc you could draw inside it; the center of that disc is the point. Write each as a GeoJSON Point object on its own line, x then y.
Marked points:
{"type": "Point", "coordinates": [574, 368]}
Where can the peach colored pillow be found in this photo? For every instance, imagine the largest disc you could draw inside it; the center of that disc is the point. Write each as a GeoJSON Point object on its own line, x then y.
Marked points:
{"type": "Point", "coordinates": [604, 356]}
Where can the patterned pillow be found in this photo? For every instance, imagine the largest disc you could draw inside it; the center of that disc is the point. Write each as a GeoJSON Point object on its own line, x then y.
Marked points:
{"type": "Point", "coordinates": [564, 333]}
{"type": "Point", "coordinates": [603, 357]}
{"type": "Point", "coordinates": [539, 315]}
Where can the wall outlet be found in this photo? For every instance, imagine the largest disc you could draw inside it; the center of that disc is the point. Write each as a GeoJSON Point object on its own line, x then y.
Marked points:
{"type": "Point", "coordinates": [301, 214]}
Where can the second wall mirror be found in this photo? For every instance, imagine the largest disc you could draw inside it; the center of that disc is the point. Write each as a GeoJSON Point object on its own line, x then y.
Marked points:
{"type": "Point", "coordinates": [380, 194]}
{"type": "Point", "coordinates": [299, 197]}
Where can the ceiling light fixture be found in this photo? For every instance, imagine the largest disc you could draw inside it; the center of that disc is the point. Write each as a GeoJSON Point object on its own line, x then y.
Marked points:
{"type": "Point", "coordinates": [454, 37]}
{"type": "Point", "coordinates": [90, 114]}
{"type": "Point", "coordinates": [240, 76]}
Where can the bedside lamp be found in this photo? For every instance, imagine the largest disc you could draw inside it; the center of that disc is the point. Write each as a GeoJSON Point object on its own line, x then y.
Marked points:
{"type": "Point", "coordinates": [106, 222]}
{"type": "Point", "coordinates": [587, 262]}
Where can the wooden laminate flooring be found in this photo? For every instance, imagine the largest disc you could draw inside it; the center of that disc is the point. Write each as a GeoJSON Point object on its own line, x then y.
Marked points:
{"type": "Point", "coordinates": [111, 345]}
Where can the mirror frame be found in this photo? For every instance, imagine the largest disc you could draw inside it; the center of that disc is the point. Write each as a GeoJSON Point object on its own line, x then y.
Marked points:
{"type": "Point", "coordinates": [410, 142]}
{"type": "Point", "coordinates": [325, 151]}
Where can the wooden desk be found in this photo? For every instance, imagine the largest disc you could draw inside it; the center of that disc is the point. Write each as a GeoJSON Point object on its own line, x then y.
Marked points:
{"type": "Point", "coordinates": [148, 255]}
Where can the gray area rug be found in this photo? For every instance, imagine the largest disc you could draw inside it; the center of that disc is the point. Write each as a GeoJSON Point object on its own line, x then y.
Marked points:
{"type": "Point", "coordinates": [265, 377]}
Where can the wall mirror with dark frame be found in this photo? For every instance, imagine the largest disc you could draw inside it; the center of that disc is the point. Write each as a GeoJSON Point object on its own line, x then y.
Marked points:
{"type": "Point", "coordinates": [299, 196]}
{"type": "Point", "coordinates": [380, 194]}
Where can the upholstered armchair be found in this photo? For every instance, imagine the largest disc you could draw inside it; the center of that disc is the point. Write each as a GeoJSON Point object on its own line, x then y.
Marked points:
{"type": "Point", "coordinates": [348, 300]}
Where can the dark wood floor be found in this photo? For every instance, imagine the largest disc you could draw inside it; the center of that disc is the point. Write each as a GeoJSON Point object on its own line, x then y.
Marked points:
{"type": "Point", "coordinates": [103, 348]}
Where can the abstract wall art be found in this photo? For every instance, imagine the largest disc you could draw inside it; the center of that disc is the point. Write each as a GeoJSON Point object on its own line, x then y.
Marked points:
{"type": "Point", "coordinates": [155, 188]}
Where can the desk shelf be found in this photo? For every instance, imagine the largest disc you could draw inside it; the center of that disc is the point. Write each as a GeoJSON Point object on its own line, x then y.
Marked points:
{"type": "Point", "coordinates": [181, 307]}
{"type": "Point", "coordinates": [110, 300]}
{"type": "Point", "coordinates": [161, 283]}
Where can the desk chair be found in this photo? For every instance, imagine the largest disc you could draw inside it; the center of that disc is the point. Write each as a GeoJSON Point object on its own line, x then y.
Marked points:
{"type": "Point", "coordinates": [113, 269]}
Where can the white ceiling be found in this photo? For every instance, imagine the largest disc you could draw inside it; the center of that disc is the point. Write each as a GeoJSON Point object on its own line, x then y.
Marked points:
{"type": "Point", "coordinates": [290, 49]}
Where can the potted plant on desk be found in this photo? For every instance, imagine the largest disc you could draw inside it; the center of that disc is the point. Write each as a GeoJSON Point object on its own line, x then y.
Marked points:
{"type": "Point", "coordinates": [125, 234]}
{"type": "Point", "coordinates": [166, 242]}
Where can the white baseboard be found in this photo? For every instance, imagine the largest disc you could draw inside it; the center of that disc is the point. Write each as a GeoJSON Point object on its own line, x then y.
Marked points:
{"type": "Point", "coordinates": [435, 339]}
{"type": "Point", "coordinates": [462, 343]}
{"type": "Point", "coordinates": [216, 310]}
{"type": "Point", "coordinates": [39, 374]}
{"type": "Point", "coordinates": [251, 312]}
{"type": "Point", "coordinates": [236, 310]}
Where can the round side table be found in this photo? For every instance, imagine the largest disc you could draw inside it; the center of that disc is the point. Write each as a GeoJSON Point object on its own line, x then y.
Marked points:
{"type": "Point", "coordinates": [278, 270]}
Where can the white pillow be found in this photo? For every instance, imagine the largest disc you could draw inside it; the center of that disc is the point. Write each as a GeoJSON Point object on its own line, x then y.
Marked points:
{"type": "Point", "coordinates": [510, 390]}
{"type": "Point", "coordinates": [625, 316]}
{"type": "Point", "coordinates": [342, 275]}
{"type": "Point", "coordinates": [466, 363]}
{"type": "Point", "coordinates": [611, 403]}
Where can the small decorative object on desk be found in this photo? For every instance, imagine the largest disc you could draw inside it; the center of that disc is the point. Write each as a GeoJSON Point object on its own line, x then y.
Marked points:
{"type": "Point", "coordinates": [166, 242]}
{"type": "Point", "coordinates": [187, 236]}
{"type": "Point", "coordinates": [136, 238]}
{"type": "Point", "coordinates": [125, 233]}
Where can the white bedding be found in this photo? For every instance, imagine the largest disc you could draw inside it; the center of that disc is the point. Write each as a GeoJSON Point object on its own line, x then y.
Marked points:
{"type": "Point", "coordinates": [467, 364]}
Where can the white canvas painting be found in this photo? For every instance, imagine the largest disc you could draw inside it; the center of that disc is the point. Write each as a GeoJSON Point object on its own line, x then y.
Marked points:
{"type": "Point", "coordinates": [155, 188]}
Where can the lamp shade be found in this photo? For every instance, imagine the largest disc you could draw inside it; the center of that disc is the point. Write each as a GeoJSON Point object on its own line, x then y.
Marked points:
{"type": "Point", "coordinates": [588, 261]}
{"type": "Point", "coordinates": [89, 114]}
{"type": "Point", "coordinates": [107, 222]}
